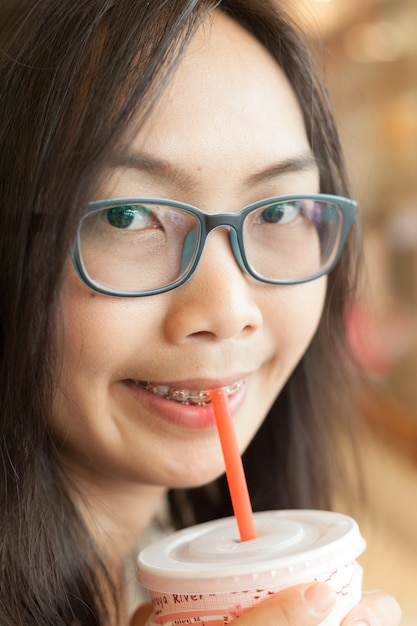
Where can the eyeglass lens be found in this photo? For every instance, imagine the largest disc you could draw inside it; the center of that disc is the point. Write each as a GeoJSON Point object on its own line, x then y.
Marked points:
{"type": "Point", "coordinates": [143, 247]}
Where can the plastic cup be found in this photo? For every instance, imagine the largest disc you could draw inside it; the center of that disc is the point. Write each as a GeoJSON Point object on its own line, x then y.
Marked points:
{"type": "Point", "coordinates": [206, 575]}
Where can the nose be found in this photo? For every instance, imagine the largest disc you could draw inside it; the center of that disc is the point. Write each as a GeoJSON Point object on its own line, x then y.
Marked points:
{"type": "Point", "coordinates": [218, 301]}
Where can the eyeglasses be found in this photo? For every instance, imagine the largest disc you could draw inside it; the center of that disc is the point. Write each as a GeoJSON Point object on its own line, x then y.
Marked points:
{"type": "Point", "coordinates": [144, 246]}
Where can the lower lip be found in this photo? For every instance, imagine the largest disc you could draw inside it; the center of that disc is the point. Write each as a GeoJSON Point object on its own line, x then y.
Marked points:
{"type": "Point", "coordinates": [184, 415]}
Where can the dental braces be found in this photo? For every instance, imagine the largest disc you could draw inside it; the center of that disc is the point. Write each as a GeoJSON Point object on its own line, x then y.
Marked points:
{"type": "Point", "coordinates": [184, 396]}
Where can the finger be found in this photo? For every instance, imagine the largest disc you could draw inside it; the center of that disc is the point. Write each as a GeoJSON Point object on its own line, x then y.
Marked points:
{"type": "Point", "coordinates": [375, 609]}
{"type": "Point", "coordinates": [304, 604]}
{"type": "Point", "coordinates": [141, 615]}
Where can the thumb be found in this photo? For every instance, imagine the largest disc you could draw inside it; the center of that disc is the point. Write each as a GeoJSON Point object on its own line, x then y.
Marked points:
{"type": "Point", "coordinates": [304, 604]}
{"type": "Point", "coordinates": [141, 615]}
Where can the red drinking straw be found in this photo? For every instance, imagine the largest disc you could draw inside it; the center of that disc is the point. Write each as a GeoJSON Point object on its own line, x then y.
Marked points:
{"type": "Point", "coordinates": [234, 468]}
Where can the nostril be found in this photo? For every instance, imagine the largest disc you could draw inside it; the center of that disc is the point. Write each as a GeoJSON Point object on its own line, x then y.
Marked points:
{"type": "Point", "coordinates": [203, 334]}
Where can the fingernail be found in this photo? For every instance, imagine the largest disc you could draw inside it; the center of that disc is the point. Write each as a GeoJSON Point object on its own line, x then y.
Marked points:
{"type": "Point", "coordinates": [320, 598]}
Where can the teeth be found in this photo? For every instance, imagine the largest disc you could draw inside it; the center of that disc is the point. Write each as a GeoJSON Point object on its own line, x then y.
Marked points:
{"type": "Point", "coordinates": [187, 396]}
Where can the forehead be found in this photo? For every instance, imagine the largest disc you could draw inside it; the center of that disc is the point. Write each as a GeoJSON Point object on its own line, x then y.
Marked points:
{"type": "Point", "coordinates": [226, 72]}
{"type": "Point", "coordinates": [227, 111]}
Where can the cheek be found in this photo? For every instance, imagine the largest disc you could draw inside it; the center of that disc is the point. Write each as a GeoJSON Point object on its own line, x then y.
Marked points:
{"type": "Point", "coordinates": [87, 337]}
{"type": "Point", "coordinates": [85, 347]}
{"type": "Point", "coordinates": [100, 341]}
{"type": "Point", "coordinates": [294, 314]}
{"type": "Point", "coordinates": [98, 335]}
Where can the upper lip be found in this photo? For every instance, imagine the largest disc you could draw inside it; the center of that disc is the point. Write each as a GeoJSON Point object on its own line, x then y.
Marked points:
{"type": "Point", "coordinates": [201, 384]}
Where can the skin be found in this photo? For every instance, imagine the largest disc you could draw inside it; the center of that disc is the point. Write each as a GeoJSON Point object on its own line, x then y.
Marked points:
{"type": "Point", "coordinates": [208, 143]}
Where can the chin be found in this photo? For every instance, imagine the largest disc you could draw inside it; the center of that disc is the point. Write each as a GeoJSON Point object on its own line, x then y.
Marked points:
{"type": "Point", "coordinates": [193, 480]}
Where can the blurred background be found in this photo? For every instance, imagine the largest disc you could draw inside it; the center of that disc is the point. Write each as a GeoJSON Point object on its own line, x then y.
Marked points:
{"type": "Point", "coordinates": [369, 51]}
{"type": "Point", "coordinates": [370, 55]}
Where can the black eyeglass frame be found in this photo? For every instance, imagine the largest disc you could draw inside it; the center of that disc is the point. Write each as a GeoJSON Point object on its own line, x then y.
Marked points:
{"type": "Point", "coordinates": [209, 222]}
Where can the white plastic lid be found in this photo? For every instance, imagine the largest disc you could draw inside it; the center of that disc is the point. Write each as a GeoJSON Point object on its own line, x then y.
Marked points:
{"type": "Point", "coordinates": [289, 543]}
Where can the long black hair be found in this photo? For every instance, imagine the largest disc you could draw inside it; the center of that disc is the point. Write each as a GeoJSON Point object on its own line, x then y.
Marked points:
{"type": "Point", "coordinates": [72, 76]}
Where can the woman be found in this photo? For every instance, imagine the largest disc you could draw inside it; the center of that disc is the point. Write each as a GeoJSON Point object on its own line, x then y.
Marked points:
{"type": "Point", "coordinates": [111, 332]}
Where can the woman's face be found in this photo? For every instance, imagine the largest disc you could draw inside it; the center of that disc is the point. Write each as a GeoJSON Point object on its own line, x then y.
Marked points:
{"type": "Point", "coordinates": [226, 132]}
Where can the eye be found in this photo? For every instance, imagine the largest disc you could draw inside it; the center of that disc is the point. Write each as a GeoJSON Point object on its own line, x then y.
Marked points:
{"type": "Point", "coordinates": [281, 213]}
{"type": "Point", "coordinates": [131, 217]}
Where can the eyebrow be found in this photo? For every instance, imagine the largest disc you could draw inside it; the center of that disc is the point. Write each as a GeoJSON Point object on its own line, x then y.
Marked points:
{"type": "Point", "coordinates": [163, 169]}
{"type": "Point", "coordinates": [298, 163]}
{"type": "Point", "coordinates": [171, 172]}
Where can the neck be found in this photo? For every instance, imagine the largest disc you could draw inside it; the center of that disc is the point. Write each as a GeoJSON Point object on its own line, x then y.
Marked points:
{"type": "Point", "coordinates": [118, 515]}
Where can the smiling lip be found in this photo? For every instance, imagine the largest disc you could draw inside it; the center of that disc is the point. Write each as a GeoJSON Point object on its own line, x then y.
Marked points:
{"type": "Point", "coordinates": [189, 415]}
{"type": "Point", "coordinates": [194, 397]}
